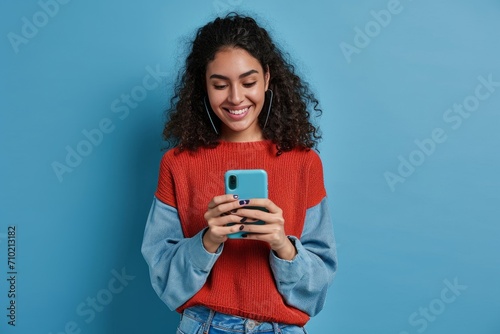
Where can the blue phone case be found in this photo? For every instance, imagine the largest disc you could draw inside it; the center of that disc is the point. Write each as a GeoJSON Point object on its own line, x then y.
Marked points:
{"type": "Point", "coordinates": [250, 183]}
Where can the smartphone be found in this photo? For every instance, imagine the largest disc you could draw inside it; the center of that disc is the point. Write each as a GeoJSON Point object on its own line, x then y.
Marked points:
{"type": "Point", "coordinates": [247, 184]}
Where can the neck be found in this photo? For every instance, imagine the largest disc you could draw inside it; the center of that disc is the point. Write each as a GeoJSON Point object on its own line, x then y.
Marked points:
{"type": "Point", "coordinates": [239, 137]}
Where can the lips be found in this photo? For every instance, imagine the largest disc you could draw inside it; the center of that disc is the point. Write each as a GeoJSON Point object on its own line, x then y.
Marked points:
{"type": "Point", "coordinates": [238, 111]}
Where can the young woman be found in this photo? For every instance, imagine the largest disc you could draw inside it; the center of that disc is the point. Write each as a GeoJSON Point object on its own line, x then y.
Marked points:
{"type": "Point", "coordinates": [239, 105]}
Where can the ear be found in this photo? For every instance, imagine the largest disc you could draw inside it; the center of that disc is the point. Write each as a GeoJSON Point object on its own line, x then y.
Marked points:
{"type": "Point", "coordinates": [267, 77]}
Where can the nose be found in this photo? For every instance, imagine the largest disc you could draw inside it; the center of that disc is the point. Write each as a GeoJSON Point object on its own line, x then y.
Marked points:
{"type": "Point", "coordinates": [236, 95]}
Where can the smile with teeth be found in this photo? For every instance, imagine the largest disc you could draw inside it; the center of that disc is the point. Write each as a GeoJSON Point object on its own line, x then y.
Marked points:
{"type": "Point", "coordinates": [238, 112]}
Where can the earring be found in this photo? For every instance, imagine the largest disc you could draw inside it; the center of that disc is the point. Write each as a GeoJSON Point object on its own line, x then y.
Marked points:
{"type": "Point", "coordinates": [208, 113]}
{"type": "Point", "coordinates": [270, 101]}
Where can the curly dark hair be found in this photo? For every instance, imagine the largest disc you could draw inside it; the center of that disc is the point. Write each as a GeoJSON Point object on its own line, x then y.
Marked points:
{"type": "Point", "coordinates": [188, 126]}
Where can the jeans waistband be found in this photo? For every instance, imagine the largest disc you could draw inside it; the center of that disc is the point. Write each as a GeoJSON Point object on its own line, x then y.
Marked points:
{"type": "Point", "coordinates": [230, 322]}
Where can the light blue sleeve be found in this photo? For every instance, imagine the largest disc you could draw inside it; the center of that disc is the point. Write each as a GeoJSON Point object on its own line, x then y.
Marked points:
{"type": "Point", "coordinates": [178, 266]}
{"type": "Point", "coordinates": [303, 281]}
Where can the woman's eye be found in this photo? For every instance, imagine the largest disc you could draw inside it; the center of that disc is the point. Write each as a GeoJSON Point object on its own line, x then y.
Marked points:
{"type": "Point", "coordinates": [220, 86]}
{"type": "Point", "coordinates": [250, 84]}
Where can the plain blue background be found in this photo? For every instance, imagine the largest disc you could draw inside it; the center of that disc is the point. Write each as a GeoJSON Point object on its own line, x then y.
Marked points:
{"type": "Point", "coordinates": [400, 247]}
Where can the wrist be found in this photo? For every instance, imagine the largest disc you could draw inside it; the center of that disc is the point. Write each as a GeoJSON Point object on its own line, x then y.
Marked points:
{"type": "Point", "coordinates": [209, 245]}
{"type": "Point", "coordinates": [288, 251]}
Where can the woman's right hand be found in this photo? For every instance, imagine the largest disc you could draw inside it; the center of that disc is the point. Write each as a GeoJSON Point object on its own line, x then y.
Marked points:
{"type": "Point", "coordinates": [221, 211]}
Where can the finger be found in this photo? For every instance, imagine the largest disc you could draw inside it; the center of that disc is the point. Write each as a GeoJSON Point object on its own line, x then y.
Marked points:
{"type": "Point", "coordinates": [254, 215]}
{"type": "Point", "coordinates": [222, 207]}
{"type": "Point", "coordinates": [218, 200]}
{"type": "Point", "coordinates": [221, 232]}
{"type": "Point", "coordinates": [234, 211]}
{"type": "Point", "coordinates": [224, 220]}
{"type": "Point", "coordinates": [223, 210]}
{"type": "Point", "coordinates": [247, 220]}
{"type": "Point", "coordinates": [265, 203]}
{"type": "Point", "coordinates": [228, 207]}
{"type": "Point", "coordinates": [266, 229]}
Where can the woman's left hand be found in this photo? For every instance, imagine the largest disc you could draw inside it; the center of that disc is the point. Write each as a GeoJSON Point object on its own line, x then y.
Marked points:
{"type": "Point", "coordinates": [272, 232]}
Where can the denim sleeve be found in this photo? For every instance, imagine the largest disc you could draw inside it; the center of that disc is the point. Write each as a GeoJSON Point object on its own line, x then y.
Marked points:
{"type": "Point", "coordinates": [178, 266]}
{"type": "Point", "coordinates": [303, 281]}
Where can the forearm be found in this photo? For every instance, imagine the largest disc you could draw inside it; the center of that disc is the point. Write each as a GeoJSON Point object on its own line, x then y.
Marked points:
{"type": "Point", "coordinates": [303, 281]}
{"type": "Point", "coordinates": [178, 266]}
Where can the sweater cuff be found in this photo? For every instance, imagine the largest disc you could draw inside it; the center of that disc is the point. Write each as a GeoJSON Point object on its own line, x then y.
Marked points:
{"type": "Point", "coordinates": [200, 257]}
{"type": "Point", "coordinates": [289, 271]}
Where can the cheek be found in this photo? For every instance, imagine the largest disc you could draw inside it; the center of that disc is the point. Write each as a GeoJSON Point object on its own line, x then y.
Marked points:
{"type": "Point", "coordinates": [257, 97]}
{"type": "Point", "coordinates": [215, 97]}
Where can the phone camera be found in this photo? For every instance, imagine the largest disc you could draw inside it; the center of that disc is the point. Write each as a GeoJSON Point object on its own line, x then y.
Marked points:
{"type": "Point", "coordinates": [232, 181]}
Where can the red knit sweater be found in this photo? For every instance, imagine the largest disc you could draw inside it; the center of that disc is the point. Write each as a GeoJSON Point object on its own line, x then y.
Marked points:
{"type": "Point", "coordinates": [241, 281]}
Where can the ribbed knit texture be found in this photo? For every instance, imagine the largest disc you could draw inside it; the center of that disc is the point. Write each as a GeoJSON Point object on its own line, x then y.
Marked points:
{"type": "Point", "coordinates": [241, 282]}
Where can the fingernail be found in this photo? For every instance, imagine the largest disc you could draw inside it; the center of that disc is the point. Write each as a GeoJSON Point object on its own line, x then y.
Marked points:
{"type": "Point", "coordinates": [235, 196]}
{"type": "Point", "coordinates": [244, 201]}
{"type": "Point", "coordinates": [242, 227]}
{"type": "Point", "coordinates": [244, 219]}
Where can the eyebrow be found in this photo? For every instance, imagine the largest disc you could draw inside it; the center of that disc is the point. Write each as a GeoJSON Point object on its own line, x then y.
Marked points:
{"type": "Point", "coordinates": [246, 74]}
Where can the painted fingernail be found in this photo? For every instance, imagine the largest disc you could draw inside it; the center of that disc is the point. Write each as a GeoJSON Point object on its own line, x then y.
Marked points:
{"type": "Point", "coordinates": [235, 196]}
{"type": "Point", "coordinates": [244, 201]}
{"type": "Point", "coordinates": [244, 219]}
{"type": "Point", "coordinates": [242, 227]}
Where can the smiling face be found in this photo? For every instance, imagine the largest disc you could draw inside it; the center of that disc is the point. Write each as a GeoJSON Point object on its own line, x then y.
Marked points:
{"type": "Point", "coordinates": [236, 85]}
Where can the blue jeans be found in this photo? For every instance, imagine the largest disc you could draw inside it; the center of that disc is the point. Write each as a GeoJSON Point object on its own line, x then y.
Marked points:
{"type": "Point", "coordinates": [202, 320]}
